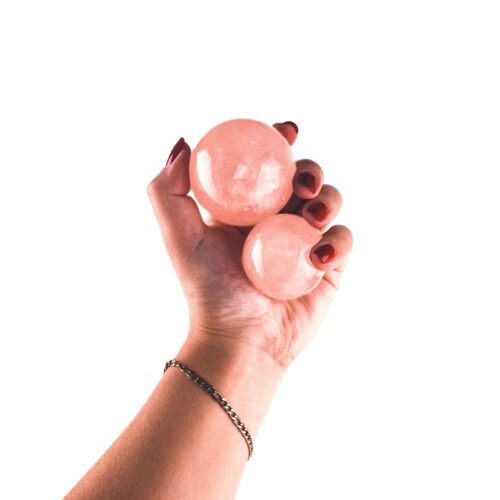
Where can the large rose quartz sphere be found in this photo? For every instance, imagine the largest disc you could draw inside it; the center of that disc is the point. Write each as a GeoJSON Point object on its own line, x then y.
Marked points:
{"type": "Point", "coordinates": [241, 172]}
{"type": "Point", "coordinates": [276, 257]}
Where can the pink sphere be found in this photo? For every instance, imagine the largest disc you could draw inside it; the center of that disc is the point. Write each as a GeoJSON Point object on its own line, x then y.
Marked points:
{"type": "Point", "coordinates": [241, 172]}
{"type": "Point", "coordinates": [276, 257]}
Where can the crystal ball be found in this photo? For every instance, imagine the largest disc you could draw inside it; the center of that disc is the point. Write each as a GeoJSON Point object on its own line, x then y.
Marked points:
{"type": "Point", "coordinates": [241, 172]}
{"type": "Point", "coordinates": [276, 257]}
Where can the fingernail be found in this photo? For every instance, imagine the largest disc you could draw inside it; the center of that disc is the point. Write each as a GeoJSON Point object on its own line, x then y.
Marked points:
{"type": "Point", "coordinates": [308, 180]}
{"type": "Point", "coordinates": [175, 151]}
{"type": "Point", "coordinates": [325, 253]}
{"type": "Point", "coordinates": [293, 124]}
{"type": "Point", "coordinates": [319, 210]}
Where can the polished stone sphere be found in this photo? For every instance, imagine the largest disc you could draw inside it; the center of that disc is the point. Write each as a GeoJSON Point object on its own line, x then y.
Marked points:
{"type": "Point", "coordinates": [276, 257]}
{"type": "Point", "coordinates": [241, 172]}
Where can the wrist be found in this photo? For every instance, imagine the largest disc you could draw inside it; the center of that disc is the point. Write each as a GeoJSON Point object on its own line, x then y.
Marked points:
{"type": "Point", "coordinates": [230, 357]}
{"type": "Point", "coordinates": [257, 342]}
{"type": "Point", "coordinates": [245, 376]}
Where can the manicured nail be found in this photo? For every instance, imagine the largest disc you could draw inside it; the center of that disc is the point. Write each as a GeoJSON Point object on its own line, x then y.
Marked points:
{"type": "Point", "coordinates": [325, 253]}
{"type": "Point", "coordinates": [175, 151]}
{"type": "Point", "coordinates": [308, 180]}
{"type": "Point", "coordinates": [319, 210]}
{"type": "Point", "coordinates": [293, 124]}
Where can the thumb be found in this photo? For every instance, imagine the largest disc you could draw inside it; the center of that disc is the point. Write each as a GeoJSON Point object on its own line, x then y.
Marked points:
{"type": "Point", "coordinates": [178, 215]}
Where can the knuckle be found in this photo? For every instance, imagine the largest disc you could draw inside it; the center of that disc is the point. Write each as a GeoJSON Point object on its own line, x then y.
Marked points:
{"type": "Point", "coordinates": [332, 195]}
{"type": "Point", "coordinates": [330, 191]}
{"type": "Point", "coordinates": [344, 232]}
{"type": "Point", "coordinates": [152, 188]}
{"type": "Point", "coordinates": [306, 163]}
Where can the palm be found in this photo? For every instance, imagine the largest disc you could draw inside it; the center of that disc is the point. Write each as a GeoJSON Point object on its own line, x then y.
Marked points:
{"type": "Point", "coordinates": [230, 303]}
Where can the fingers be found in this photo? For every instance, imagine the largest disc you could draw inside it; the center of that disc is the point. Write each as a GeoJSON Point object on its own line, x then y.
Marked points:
{"type": "Point", "coordinates": [321, 211]}
{"type": "Point", "coordinates": [288, 130]}
{"type": "Point", "coordinates": [178, 216]}
{"type": "Point", "coordinates": [307, 183]}
{"type": "Point", "coordinates": [319, 203]}
{"type": "Point", "coordinates": [307, 180]}
{"type": "Point", "coordinates": [333, 250]}
{"type": "Point", "coordinates": [331, 255]}
{"type": "Point", "coordinates": [308, 176]}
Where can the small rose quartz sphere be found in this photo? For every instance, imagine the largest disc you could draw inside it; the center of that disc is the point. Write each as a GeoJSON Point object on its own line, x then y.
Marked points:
{"type": "Point", "coordinates": [276, 257]}
{"type": "Point", "coordinates": [241, 172]}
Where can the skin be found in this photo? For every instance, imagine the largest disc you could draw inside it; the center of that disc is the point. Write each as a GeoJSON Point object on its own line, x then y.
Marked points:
{"type": "Point", "coordinates": [181, 444]}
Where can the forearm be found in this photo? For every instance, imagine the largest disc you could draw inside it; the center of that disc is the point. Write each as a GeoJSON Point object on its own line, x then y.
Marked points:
{"type": "Point", "coordinates": [182, 444]}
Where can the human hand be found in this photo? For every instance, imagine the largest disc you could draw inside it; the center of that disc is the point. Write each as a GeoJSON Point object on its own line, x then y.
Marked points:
{"type": "Point", "coordinates": [226, 312]}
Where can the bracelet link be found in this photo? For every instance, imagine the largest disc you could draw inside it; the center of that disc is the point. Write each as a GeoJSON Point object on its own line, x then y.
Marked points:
{"type": "Point", "coordinates": [210, 389]}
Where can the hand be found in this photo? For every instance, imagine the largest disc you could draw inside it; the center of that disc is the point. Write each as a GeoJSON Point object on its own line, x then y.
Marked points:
{"type": "Point", "coordinates": [226, 312]}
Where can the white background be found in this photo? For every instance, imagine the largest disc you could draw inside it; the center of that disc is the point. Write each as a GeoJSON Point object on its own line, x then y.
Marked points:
{"type": "Point", "coordinates": [398, 395]}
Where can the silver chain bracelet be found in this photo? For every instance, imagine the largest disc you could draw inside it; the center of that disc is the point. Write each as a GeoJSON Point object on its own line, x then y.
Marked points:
{"type": "Point", "coordinates": [210, 389]}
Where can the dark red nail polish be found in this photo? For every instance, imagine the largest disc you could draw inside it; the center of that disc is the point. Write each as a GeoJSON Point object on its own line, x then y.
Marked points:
{"type": "Point", "coordinates": [293, 124]}
{"type": "Point", "coordinates": [308, 180]}
{"type": "Point", "coordinates": [175, 150]}
{"type": "Point", "coordinates": [319, 210]}
{"type": "Point", "coordinates": [325, 253]}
